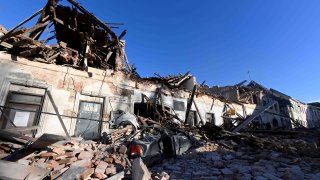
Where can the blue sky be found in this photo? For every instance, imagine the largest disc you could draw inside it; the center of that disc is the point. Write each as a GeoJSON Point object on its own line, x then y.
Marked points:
{"type": "Point", "coordinates": [220, 41]}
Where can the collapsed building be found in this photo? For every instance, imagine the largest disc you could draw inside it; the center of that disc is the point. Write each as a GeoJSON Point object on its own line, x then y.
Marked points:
{"type": "Point", "coordinates": [84, 86]}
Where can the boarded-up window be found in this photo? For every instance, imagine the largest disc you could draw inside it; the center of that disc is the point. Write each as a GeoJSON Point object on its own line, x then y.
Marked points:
{"type": "Point", "coordinates": [88, 123]}
{"type": "Point", "coordinates": [21, 110]}
{"type": "Point", "coordinates": [178, 105]}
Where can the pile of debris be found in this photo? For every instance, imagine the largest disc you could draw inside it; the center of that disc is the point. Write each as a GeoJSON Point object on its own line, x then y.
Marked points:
{"type": "Point", "coordinates": [169, 153]}
{"type": "Point", "coordinates": [299, 143]}
{"type": "Point", "coordinates": [213, 161]}
{"type": "Point", "coordinates": [76, 159]}
{"type": "Point", "coordinates": [83, 40]}
{"type": "Point", "coordinates": [116, 155]}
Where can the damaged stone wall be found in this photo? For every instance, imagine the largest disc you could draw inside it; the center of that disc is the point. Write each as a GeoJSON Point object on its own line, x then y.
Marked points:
{"type": "Point", "coordinates": [115, 91]}
{"type": "Point", "coordinates": [70, 86]}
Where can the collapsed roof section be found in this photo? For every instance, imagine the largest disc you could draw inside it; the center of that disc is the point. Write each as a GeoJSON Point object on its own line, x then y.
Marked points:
{"type": "Point", "coordinates": [186, 81]}
{"type": "Point", "coordinates": [241, 92]}
{"type": "Point", "coordinates": [83, 40]}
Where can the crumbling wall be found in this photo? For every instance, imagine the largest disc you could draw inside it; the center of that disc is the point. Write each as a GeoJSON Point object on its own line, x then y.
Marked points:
{"type": "Point", "coordinates": [67, 85]}
{"type": "Point", "coordinates": [114, 90]}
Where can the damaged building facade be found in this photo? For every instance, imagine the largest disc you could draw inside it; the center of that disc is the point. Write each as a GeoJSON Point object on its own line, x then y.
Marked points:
{"type": "Point", "coordinates": [86, 81]}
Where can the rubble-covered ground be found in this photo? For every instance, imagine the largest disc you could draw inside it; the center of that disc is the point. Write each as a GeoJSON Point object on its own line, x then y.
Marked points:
{"type": "Point", "coordinates": [212, 161]}
{"type": "Point", "coordinates": [283, 155]}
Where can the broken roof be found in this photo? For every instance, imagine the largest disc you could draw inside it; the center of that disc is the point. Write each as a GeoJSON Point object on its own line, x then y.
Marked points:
{"type": "Point", "coordinates": [83, 40]}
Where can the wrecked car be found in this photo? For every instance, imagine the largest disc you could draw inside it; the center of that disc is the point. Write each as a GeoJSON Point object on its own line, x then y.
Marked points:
{"type": "Point", "coordinates": [124, 119]}
{"type": "Point", "coordinates": [158, 144]}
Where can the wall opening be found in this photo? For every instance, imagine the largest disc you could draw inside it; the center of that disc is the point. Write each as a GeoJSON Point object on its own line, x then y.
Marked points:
{"type": "Point", "coordinates": [210, 117]}
{"type": "Point", "coordinates": [21, 110]}
{"type": "Point", "coordinates": [147, 111]}
{"type": "Point", "coordinates": [192, 118]}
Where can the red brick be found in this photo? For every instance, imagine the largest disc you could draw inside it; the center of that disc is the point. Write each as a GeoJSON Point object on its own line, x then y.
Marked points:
{"type": "Point", "coordinates": [67, 160]}
{"type": "Point", "coordinates": [48, 154]}
{"type": "Point", "coordinates": [101, 168]}
{"type": "Point", "coordinates": [85, 155]}
{"type": "Point", "coordinates": [99, 175]}
{"type": "Point", "coordinates": [58, 151]}
{"type": "Point", "coordinates": [52, 164]}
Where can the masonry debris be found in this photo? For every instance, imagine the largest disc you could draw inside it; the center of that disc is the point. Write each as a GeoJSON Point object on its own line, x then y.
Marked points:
{"type": "Point", "coordinates": [83, 40]}
{"type": "Point", "coordinates": [87, 114]}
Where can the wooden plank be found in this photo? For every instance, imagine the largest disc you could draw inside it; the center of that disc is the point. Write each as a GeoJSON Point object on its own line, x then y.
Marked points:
{"type": "Point", "coordinates": [20, 24]}
{"type": "Point", "coordinates": [46, 140]}
{"type": "Point", "coordinates": [14, 136]}
{"type": "Point", "coordinates": [190, 103]}
{"type": "Point", "coordinates": [127, 61]}
{"type": "Point", "coordinates": [24, 40]}
{"type": "Point", "coordinates": [5, 115]}
{"type": "Point", "coordinates": [43, 17]}
{"type": "Point", "coordinates": [58, 114]}
{"type": "Point", "coordinates": [23, 128]}
{"type": "Point", "coordinates": [13, 170]}
{"type": "Point", "coordinates": [198, 111]}
{"type": "Point", "coordinates": [252, 117]}
{"type": "Point", "coordinates": [6, 45]}
{"type": "Point", "coordinates": [36, 27]}
{"type": "Point", "coordinates": [95, 19]}
{"type": "Point", "coordinates": [53, 57]}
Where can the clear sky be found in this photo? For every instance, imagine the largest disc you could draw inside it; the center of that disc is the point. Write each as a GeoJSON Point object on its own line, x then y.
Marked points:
{"type": "Point", "coordinates": [220, 41]}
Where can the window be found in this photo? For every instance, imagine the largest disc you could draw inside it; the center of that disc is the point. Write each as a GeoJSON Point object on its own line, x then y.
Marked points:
{"type": "Point", "coordinates": [210, 118]}
{"type": "Point", "coordinates": [21, 110]}
{"type": "Point", "coordinates": [89, 120]}
{"type": "Point", "coordinates": [192, 118]}
{"type": "Point", "coordinates": [178, 105]}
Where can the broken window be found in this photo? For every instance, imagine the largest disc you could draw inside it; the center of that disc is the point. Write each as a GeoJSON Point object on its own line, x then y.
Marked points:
{"type": "Point", "coordinates": [21, 110]}
{"type": "Point", "coordinates": [178, 105]}
{"type": "Point", "coordinates": [142, 109]}
{"type": "Point", "coordinates": [147, 111]}
{"type": "Point", "coordinates": [89, 120]}
{"type": "Point", "coordinates": [210, 118]}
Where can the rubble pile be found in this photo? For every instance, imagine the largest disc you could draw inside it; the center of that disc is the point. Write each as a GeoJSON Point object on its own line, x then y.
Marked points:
{"type": "Point", "coordinates": [170, 154]}
{"type": "Point", "coordinates": [302, 143]}
{"type": "Point", "coordinates": [76, 159]}
{"type": "Point", "coordinates": [227, 155]}
{"type": "Point", "coordinates": [213, 161]}
{"type": "Point", "coordinates": [154, 137]}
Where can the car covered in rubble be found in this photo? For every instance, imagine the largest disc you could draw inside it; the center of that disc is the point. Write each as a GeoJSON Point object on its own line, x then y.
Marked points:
{"type": "Point", "coordinates": [153, 147]}
{"type": "Point", "coordinates": [152, 143]}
